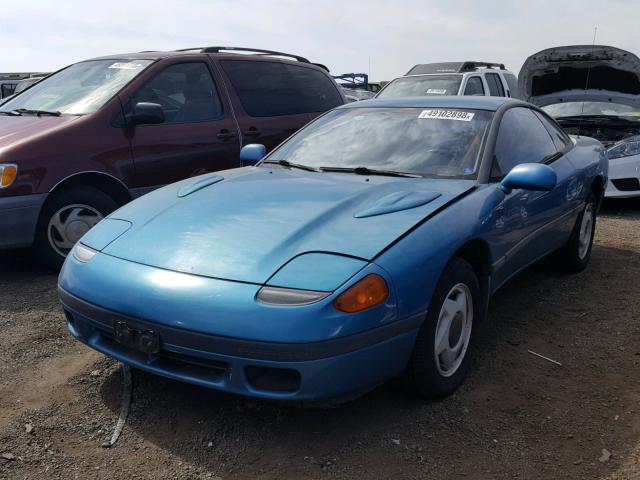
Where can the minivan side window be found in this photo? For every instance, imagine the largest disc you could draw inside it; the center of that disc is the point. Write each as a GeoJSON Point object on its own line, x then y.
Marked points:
{"type": "Point", "coordinates": [495, 85]}
{"type": "Point", "coordinates": [270, 89]}
{"type": "Point", "coordinates": [474, 86]}
{"type": "Point", "coordinates": [186, 93]}
{"type": "Point", "coordinates": [521, 139]}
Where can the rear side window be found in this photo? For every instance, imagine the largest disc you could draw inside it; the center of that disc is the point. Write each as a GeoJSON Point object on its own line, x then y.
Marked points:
{"type": "Point", "coordinates": [474, 86]}
{"type": "Point", "coordinates": [512, 83]}
{"type": "Point", "coordinates": [186, 93]}
{"type": "Point", "coordinates": [270, 89]}
{"type": "Point", "coordinates": [495, 85]}
{"type": "Point", "coordinates": [560, 139]}
{"type": "Point", "coordinates": [521, 139]}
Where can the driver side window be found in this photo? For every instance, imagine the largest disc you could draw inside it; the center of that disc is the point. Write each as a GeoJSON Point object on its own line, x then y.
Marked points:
{"type": "Point", "coordinates": [521, 139]}
{"type": "Point", "coordinates": [185, 92]}
{"type": "Point", "coordinates": [474, 86]}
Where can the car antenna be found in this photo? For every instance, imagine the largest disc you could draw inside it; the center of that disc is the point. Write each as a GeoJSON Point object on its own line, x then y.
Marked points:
{"type": "Point", "coordinates": [586, 85]}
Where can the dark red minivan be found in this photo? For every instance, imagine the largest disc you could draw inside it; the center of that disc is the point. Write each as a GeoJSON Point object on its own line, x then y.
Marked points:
{"type": "Point", "coordinates": [94, 135]}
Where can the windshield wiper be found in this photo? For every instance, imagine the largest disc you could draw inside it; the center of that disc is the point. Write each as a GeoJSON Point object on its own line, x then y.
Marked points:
{"type": "Point", "coordinates": [54, 113]}
{"type": "Point", "coordinates": [286, 163]}
{"type": "Point", "coordinates": [11, 113]}
{"type": "Point", "coordinates": [370, 171]}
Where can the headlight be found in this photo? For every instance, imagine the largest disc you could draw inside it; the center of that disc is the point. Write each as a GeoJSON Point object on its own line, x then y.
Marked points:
{"type": "Point", "coordinates": [8, 174]}
{"type": "Point", "coordinates": [82, 253]}
{"type": "Point", "coordinates": [625, 148]}
{"type": "Point", "coordinates": [289, 296]}
{"type": "Point", "coordinates": [372, 290]}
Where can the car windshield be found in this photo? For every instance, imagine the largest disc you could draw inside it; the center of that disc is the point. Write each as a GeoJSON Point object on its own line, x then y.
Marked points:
{"type": "Point", "coordinates": [79, 89]}
{"type": "Point", "coordinates": [575, 109]}
{"type": "Point", "coordinates": [421, 86]}
{"type": "Point", "coordinates": [429, 142]}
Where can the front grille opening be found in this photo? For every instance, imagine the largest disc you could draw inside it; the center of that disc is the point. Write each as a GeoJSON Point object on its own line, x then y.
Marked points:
{"type": "Point", "coordinates": [627, 184]}
{"type": "Point", "coordinates": [177, 363]}
{"type": "Point", "coordinates": [70, 320]}
{"type": "Point", "coordinates": [273, 379]}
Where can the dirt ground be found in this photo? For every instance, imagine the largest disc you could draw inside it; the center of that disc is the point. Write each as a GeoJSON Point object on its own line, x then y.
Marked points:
{"type": "Point", "coordinates": [516, 417]}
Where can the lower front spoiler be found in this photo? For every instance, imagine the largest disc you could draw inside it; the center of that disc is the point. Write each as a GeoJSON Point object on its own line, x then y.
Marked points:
{"type": "Point", "coordinates": [353, 372]}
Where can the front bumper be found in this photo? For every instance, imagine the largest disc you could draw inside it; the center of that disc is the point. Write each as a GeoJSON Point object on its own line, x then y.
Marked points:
{"type": "Point", "coordinates": [283, 371]}
{"type": "Point", "coordinates": [624, 177]}
{"type": "Point", "coordinates": [18, 219]}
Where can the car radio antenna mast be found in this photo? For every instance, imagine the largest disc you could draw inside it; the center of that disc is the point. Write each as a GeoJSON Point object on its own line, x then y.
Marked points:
{"type": "Point", "coordinates": [586, 85]}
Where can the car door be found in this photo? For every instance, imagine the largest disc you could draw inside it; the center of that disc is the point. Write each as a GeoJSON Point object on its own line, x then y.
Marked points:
{"type": "Point", "coordinates": [275, 99]}
{"type": "Point", "coordinates": [535, 223]}
{"type": "Point", "coordinates": [199, 133]}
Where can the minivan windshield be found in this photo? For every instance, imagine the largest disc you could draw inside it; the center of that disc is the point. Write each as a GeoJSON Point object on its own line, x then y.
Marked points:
{"type": "Point", "coordinates": [421, 86]}
{"type": "Point", "coordinates": [79, 89]}
{"type": "Point", "coordinates": [432, 142]}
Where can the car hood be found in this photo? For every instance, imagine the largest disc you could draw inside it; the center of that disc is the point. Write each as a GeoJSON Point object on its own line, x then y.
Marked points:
{"type": "Point", "coordinates": [245, 224]}
{"type": "Point", "coordinates": [15, 130]}
{"type": "Point", "coordinates": [559, 74]}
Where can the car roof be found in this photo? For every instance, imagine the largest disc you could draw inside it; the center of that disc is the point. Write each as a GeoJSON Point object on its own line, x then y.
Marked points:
{"type": "Point", "coordinates": [457, 101]}
{"type": "Point", "coordinates": [219, 52]}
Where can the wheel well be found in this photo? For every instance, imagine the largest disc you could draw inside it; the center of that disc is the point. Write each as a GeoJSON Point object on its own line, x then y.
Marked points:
{"type": "Point", "coordinates": [102, 181]}
{"type": "Point", "coordinates": [476, 252]}
{"type": "Point", "coordinates": [597, 187]}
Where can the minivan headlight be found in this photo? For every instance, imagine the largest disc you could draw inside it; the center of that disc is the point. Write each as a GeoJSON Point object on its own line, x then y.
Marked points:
{"type": "Point", "coordinates": [8, 174]}
{"type": "Point", "coordinates": [625, 148]}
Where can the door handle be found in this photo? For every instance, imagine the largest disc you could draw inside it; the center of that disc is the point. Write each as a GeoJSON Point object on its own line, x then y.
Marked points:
{"type": "Point", "coordinates": [252, 132]}
{"type": "Point", "coordinates": [225, 135]}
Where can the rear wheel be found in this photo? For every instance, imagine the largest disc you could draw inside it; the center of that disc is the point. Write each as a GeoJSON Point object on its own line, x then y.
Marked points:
{"type": "Point", "coordinates": [65, 218]}
{"type": "Point", "coordinates": [575, 255]}
{"type": "Point", "coordinates": [440, 358]}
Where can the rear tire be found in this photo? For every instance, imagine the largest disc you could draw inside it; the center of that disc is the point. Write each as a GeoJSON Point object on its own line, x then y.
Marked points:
{"type": "Point", "coordinates": [440, 359]}
{"type": "Point", "coordinates": [575, 255]}
{"type": "Point", "coordinates": [65, 217]}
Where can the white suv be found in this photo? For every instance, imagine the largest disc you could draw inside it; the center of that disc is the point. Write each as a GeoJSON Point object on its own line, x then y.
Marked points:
{"type": "Point", "coordinates": [454, 78]}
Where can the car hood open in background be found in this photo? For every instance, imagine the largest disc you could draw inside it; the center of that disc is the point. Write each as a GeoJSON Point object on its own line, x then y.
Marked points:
{"type": "Point", "coordinates": [559, 74]}
{"type": "Point", "coordinates": [248, 225]}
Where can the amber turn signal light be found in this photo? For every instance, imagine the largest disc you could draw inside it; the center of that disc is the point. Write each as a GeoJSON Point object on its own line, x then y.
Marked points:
{"type": "Point", "coordinates": [8, 174]}
{"type": "Point", "coordinates": [372, 290]}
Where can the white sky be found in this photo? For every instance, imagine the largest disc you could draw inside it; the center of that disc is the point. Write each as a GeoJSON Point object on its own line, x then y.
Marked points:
{"type": "Point", "coordinates": [44, 35]}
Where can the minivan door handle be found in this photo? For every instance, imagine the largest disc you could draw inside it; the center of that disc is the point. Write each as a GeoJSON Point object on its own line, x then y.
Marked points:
{"type": "Point", "coordinates": [225, 134]}
{"type": "Point", "coordinates": [252, 132]}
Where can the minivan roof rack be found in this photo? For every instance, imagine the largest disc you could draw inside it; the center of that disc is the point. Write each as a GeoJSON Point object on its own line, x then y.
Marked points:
{"type": "Point", "coordinates": [259, 51]}
{"type": "Point", "coordinates": [451, 67]}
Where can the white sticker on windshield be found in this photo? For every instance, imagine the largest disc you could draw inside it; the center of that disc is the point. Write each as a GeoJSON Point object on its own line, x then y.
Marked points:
{"type": "Point", "coordinates": [127, 65]}
{"type": "Point", "coordinates": [447, 114]}
{"type": "Point", "coordinates": [436, 91]}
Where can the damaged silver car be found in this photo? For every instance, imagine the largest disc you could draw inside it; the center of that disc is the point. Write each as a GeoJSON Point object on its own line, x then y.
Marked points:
{"type": "Point", "coordinates": [592, 91]}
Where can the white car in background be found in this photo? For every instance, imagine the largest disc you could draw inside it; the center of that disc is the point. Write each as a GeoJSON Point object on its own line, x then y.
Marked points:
{"type": "Point", "coordinates": [592, 91]}
{"type": "Point", "coordinates": [453, 78]}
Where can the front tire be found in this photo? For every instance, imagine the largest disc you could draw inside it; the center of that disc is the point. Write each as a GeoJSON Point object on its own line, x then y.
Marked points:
{"type": "Point", "coordinates": [440, 359]}
{"type": "Point", "coordinates": [65, 217]}
{"type": "Point", "coordinates": [575, 255]}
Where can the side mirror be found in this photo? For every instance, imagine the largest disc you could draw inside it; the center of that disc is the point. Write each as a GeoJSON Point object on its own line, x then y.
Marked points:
{"type": "Point", "coordinates": [252, 153]}
{"type": "Point", "coordinates": [146, 113]}
{"type": "Point", "coordinates": [530, 176]}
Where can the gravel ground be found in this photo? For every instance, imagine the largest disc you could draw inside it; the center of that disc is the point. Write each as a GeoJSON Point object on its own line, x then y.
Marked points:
{"type": "Point", "coordinates": [516, 417]}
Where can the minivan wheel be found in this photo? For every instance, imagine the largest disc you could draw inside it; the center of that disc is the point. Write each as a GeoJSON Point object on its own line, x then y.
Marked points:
{"type": "Point", "coordinates": [440, 359]}
{"type": "Point", "coordinates": [65, 218]}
